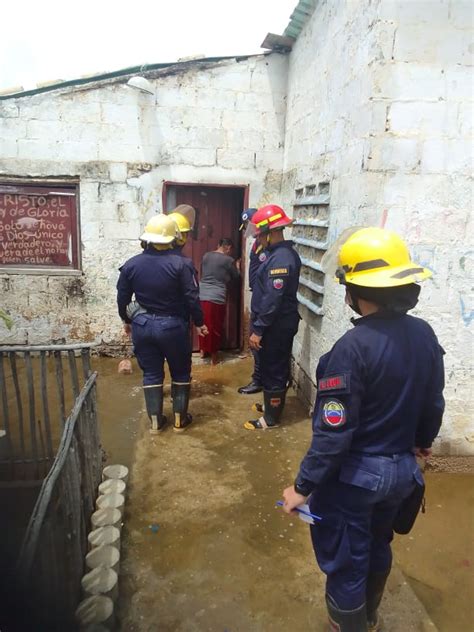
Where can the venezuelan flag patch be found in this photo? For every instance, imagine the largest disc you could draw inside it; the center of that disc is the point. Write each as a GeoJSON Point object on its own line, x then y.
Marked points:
{"type": "Point", "coordinates": [334, 413]}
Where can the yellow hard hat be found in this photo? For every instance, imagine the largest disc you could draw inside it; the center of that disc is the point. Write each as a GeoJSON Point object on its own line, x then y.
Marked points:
{"type": "Point", "coordinates": [188, 212]}
{"type": "Point", "coordinates": [182, 222]}
{"type": "Point", "coordinates": [161, 229]}
{"type": "Point", "coordinates": [375, 257]}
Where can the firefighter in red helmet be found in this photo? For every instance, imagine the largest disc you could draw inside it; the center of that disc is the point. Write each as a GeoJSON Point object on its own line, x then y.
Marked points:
{"type": "Point", "coordinates": [274, 311]}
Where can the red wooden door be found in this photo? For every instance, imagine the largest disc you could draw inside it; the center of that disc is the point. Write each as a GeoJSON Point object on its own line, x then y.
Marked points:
{"type": "Point", "coordinates": [218, 212]}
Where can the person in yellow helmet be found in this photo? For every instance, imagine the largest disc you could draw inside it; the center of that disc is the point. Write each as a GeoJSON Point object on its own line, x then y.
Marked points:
{"type": "Point", "coordinates": [184, 215]}
{"type": "Point", "coordinates": [166, 293]}
{"type": "Point", "coordinates": [379, 405]}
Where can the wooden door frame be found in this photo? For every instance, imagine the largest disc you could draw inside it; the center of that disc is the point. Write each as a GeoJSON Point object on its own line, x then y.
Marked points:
{"type": "Point", "coordinates": [246, 189]}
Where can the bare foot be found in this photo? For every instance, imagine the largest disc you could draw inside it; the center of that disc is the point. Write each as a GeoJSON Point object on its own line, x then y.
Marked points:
{"type": "Point", "coordinates": [215, 358]}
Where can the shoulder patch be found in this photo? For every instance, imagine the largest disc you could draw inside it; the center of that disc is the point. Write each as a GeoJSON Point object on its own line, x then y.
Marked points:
{"type": "Point", "coordinates": [278, 284]}
{"type": "Point", "coordinates": [262, 257]}
{"type": "Point", "coordinates": [333, 383]}
{"type": "Point", "coordinates": [278, 272]}
{"type": "Point", "coordinates": [333, 413]}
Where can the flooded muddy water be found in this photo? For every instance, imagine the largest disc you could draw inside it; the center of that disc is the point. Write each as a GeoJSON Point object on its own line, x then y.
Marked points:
{"type": "Point", "coordinates": [204, 546]}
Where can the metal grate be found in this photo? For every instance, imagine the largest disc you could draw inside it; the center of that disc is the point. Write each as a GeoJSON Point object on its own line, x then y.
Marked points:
{"type": "Point", "coordinates": [310, 234]}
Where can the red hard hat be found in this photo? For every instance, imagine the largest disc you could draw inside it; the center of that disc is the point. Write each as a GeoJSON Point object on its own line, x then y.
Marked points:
{"type": "Point", "coordinates": [269, 218]}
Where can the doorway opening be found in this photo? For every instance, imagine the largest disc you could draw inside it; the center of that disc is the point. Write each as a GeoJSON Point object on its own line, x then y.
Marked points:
{"type": "Point", "coordinates": [218, 212]}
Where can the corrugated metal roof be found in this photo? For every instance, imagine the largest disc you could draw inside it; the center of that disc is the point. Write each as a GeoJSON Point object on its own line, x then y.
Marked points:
{"type": "Point", "coordinates": [176, 66]}
{"type": "Point", "coordinates": [302, 12]}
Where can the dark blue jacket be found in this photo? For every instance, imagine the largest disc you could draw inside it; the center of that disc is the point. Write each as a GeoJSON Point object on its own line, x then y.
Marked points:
{"type": "Point", "coordinates": [258, 255]}
{"type": "Point", "coordinates": [274, 291]}
{"type": "Point", "coordinates": [380, 391]}
{"type": "Point", "coordinates": [163, 282]}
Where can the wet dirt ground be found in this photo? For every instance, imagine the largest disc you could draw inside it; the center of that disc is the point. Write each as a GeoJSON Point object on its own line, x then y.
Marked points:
{"type": "Point", "coordinates": [205, 548]}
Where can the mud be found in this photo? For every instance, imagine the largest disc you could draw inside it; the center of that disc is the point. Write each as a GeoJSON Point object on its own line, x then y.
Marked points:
{"type": "Point", "coordinates": [205, 548]}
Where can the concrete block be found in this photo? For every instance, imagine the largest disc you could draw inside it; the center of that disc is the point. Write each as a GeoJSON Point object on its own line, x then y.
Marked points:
{"type": "Point", "coordinates": [181, 97]}
{"type": "Point", "coordinates": [125, 230]}
{"type": "Point", "coordinates": [43, 130]}
{"type": "Point", "coordinates": [242, 120]}
{"type": "Point", "coordinates": [195, 157]}
{"type": "Point", "coordinates": [202, 117]}
{"type": "Point", "coordinates": [205, 138]}
{"type": "Point", "coordinates": [239, 159]}
{"type": "Point", "coordinates": [421, 118]}
{"type": "Point", "coordinates": [36, 149]}
{"type": "Point", "coordinates": [452, 156]}
{"type": "Point", "coordinates": [76, 151]}
{"type": "Point", "coordinates": [465, 120]}
{"type": "Point", "coordinates": [235, 78]}
{"type": "Point", "coordinates": [120, 114]}
{"type": "Point", "coordinates": [9, 109]}
{"type": "Point", "coordinates": [111, 150]}
{"type": "Point", "coordinates": [435, 45]}
{"type": "Point", "coordinates": [268, 160]}
{"type": "Point", "coordinates": [118, 171]}
{"type": "Point", "coordinates": [41, 107]}
{"type": "Point", "coordinates": [401, 81]}
{"type": "Point", "coordinates": [391, 153]}
{"type": "Point", "coordinates": [87, 112]}
{"type": "Point", "coordinates": [416, 11]}
{"type": "Point", "coordinates": [460, 83]}
{"type": "Point", "coordinates": [90, 231]}
{"type": "Point", "coordinates": [8, 148]}
{"type": "Point", "coordinates": [128, 133]}
{"type": "Point", "coordinates": [461, 14]}
{"type": "Point", "coordinates": [12, 128]}
{"type": "Point", "coordinates": [216, 97]}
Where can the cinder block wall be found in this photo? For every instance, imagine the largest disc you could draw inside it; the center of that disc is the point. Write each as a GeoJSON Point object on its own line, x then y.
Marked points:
{"type": "Point", "coordinates": [380, 106]}
{"type": "Point", "coordinates": [210, 122]}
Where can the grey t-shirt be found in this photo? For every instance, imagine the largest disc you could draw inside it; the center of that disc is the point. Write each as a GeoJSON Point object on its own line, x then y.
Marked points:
{"type": "Point", "coordinates": [217, 270]}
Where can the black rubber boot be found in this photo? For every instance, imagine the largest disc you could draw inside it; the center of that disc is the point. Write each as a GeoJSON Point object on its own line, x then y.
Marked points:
{"type": "Point", "coordinates": [250, 389]}
{"type": "Point", "coordinates": [346, 620]}
{"type": "Point", "coordinates": [374, 592]}
{"type": "Point", "coordinates": [154, 407]}
{"type": "Point", "coordinates": [180, 397]}
{"type": "Point", "coordinates": [273, 404]}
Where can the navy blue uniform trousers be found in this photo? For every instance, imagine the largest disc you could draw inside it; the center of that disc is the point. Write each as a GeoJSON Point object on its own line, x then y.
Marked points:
{"type": "Point", "coordinates": [353, 538]}
{"type": "Point", "coordinates": [275, 357]}
{"type": "Point", "coordinates": [156, 338]}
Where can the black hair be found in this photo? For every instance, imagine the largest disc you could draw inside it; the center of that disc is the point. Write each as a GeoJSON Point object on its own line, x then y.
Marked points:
{"type": "Point", "coordinates": [225, 241]}
{"type": "Point", "coordinates": [398, 299]}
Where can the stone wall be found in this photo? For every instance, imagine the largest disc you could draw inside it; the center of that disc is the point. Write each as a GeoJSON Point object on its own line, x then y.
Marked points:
{"type": "Point", "coordinates": [210, 122]}
{"type": "Point", "coordinates": [380, 106]}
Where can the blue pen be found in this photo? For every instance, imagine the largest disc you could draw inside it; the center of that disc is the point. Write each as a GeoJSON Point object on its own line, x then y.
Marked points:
{"type": "Point", "coordinates": [301, 511]}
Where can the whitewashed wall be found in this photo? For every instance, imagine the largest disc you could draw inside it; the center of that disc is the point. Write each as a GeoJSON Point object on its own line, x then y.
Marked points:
{"type": "Point", "coordinates": [217, 123]}
{"type": "Point", "coordinates": [380, 105]}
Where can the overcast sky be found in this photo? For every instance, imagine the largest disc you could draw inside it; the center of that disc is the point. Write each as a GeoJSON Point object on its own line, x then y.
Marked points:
{"type": "Point", "coordinates": [56, 39]}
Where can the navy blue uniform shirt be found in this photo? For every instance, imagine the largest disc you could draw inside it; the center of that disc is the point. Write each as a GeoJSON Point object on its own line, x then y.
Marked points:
{"type": "Point", "coordinates": [275, 287]}
{"type": "Point", "coordinates": [258, 255]}
{"type": "Point", "coordinates": [380, 391]}
{"type": "Point", "coordinates": [164, 283]}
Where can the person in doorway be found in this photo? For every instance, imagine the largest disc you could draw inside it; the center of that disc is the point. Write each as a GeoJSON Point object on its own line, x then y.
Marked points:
{"type": "Point", "coordinates": [218, 269]}
{"type": "Point", "coordinates": [274, 312]}
{"type": "Point", "coordinates": [379, 404]}
{"type": "Point", "coordinates": [257, 257]}
{"type": "Point", "coordinates": [166, 292]}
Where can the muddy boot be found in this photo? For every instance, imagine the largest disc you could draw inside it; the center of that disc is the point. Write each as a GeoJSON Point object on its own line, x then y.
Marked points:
{"type": "Point", "coordinates": [154, 407]}
{"type": "Point", "coordinates": [346, 620]}
{"type": "Point", "coordinates": [180, 396]}
{"type": "Point", "coordinates": [374, 591]}
{"type": "Point", "coordinates": [273, 404]}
